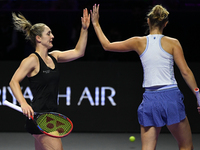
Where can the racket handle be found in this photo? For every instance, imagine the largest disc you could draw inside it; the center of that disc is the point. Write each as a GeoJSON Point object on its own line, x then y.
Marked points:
{"type": "Point", "coordinates": [197, 95]}
{"type": "Point", "coordinates": [11, 105]}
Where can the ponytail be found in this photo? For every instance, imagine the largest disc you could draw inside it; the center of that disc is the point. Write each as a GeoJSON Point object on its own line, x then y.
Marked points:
{"type": "Point", "coordinates": [158, 16]}
{"type": "Point", "coordinates": [31, 31]}
{"type": "Point", "coordinates": [21, 24]}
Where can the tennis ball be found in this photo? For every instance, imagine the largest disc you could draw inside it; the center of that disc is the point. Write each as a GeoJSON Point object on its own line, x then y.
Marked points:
{"type": "Point", "coordinates": [132, 138]}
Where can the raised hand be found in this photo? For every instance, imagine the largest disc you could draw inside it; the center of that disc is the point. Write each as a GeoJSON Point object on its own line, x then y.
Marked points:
{"type": "Point", "coordinates": [95, 14]}
{"type": "Point", "coordinates": [85, 19]}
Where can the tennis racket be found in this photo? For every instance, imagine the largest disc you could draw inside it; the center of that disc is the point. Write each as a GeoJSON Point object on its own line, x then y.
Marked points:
{"type": "Point", "coordinates": [50, 123]}
{"type": "Point", "coordinates": [197, 95]}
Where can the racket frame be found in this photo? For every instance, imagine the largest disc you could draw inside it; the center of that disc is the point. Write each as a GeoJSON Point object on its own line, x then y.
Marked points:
{"type": "Point", "coordinates": [54, 113]}
{"type": "Point", "coordinates": [15, 107]}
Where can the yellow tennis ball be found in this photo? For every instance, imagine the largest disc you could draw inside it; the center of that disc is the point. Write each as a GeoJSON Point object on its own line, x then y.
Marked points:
{"type": "Point", "coordinates": [132, 138]}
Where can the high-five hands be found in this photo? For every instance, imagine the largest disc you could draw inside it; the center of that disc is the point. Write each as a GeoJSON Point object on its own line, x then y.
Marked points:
{"type": "Point", "coordinates": [85, 19]}
{"type": "Point", "coordinates": [95, 14]}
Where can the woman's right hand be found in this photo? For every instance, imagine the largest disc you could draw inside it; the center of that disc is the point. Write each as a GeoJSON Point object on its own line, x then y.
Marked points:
{"type": "Point", "coordinates": [27, 110]}
{"type": "Point", "coordinates": [85, 19]}
{"type": "Point", "coordinates": [95, 14]}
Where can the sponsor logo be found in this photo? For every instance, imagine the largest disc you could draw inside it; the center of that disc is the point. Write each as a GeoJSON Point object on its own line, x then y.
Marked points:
{"type": "Point", "coordinates": [99, 98]}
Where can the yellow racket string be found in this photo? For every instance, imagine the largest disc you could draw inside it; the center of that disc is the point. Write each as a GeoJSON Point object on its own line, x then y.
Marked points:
{"type": "Point", "coordinates": [54, 124]}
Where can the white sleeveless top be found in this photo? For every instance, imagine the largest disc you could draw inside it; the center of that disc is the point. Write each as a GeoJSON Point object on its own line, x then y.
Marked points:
{"type": "Point", "coordinates": [157, 63]}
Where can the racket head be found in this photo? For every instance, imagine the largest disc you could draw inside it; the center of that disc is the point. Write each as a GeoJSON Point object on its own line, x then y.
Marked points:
{"type": "Point", "coordinates": [53, 124]}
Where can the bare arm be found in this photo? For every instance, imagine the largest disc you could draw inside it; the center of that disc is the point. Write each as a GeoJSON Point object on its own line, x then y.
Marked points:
{"type": "Point", "coordinates": [183, 67]}
{"type": "Point", "coordinates": [26, 66]}
{"type": "Point", "coordinates": [131, 44]}
{"type": "Point", "coordinates": [79, 50]}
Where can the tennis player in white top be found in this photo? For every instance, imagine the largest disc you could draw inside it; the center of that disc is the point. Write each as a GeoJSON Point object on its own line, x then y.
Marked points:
{"type": "Point", "coordinates": [162, 102]}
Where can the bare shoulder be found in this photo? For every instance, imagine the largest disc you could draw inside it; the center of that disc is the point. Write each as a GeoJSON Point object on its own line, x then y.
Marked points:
{"type": "Point", "coordinates": [143, 38]}
{"type": "Point", "coordinates": [55, 54]}
{"type": "Point", "coordinates": [32, 58]}
{"type": "Point", "coordinates": [139, 38]}
{"type": "Point", "coordinates": [170, 40]}
{"type": "Point", "coordinates": [140, 43]}
{"type": "Point", "coordinates": [171, 45]}
{"type": "Point", "coordinates": [30, 61]}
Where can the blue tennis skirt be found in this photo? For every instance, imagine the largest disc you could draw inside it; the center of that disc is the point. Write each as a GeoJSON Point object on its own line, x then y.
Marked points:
{"type": "Point", "coordinates": [161, 107]}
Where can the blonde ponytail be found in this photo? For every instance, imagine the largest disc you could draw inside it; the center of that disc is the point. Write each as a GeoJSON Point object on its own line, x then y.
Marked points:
{"type": "Point", "coordinates": [158, 16]}
{"type": "Point", "coordinates": [31, 31]}
{"type": "Point", "coordinates": [21, 24]}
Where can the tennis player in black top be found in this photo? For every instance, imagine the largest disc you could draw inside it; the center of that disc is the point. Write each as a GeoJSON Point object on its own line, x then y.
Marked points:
{"type": "Point", "coordinates": [41, 69]}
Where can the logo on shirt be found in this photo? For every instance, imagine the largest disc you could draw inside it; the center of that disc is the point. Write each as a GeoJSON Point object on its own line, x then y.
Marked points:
{"type": "Point", "coordinates": [46, 71]}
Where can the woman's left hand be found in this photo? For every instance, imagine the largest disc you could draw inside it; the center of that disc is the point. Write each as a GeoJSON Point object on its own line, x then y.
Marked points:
{"type": "Point", "coordinates": [85, 19]}
{"type": "Point", "coordinates": [95, 14]}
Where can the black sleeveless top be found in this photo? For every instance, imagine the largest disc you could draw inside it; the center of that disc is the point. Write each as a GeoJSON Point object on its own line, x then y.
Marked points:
{"type": "Point", "coordinates": [44, 87]}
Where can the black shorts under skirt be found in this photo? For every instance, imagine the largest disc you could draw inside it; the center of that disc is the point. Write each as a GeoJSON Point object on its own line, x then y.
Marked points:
{"type": "Point", "coordinates": [31, 127]}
